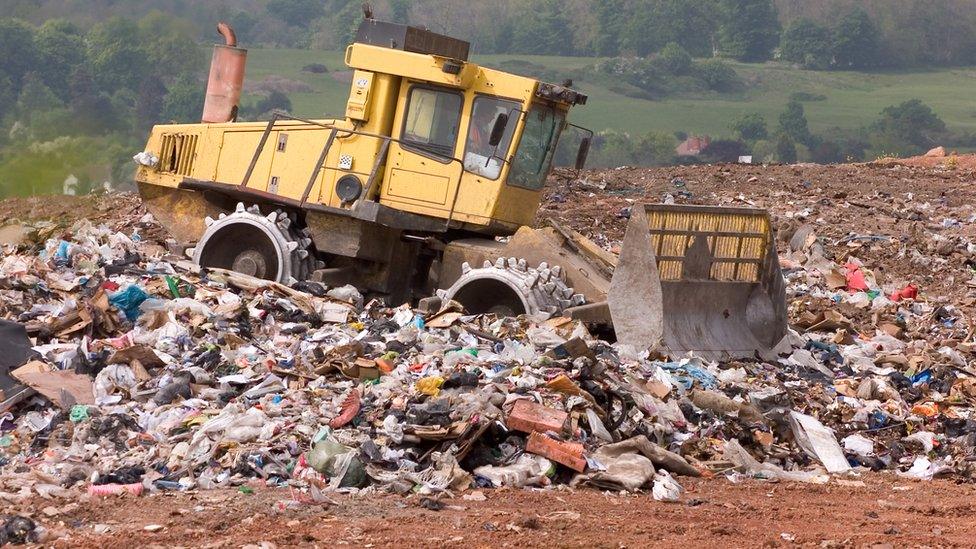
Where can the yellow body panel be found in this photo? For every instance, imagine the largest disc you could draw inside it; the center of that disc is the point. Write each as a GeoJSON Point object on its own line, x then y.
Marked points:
{"type": "Point", "coordinates": [406, 179]}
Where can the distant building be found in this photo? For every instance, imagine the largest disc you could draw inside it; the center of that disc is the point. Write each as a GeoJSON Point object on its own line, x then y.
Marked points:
{"type": "Point", "coordinates": [693, 146]}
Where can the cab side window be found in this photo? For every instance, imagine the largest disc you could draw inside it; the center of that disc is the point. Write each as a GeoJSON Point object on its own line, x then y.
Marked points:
{"type": "Point", "coordinates": [534, 156]}
{"type": "Point", "coordinates": [479, 156]}
{"type": "Point", "coordinates": [432, 121]}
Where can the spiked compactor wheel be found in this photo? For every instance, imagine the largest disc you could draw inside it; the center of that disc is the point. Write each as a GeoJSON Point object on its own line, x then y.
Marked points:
{"type": "Point", "coordinates": [264, 246]}
{"type": "Point", "coordinates": [510, 287]}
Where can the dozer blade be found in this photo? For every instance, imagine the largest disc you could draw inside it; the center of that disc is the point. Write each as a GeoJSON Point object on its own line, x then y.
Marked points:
{"type": "Point", "coordinates": [699, 279]}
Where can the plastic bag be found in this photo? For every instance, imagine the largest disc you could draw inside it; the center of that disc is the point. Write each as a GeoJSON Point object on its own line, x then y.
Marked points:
{"type": "Point", "coordinates": [666, 488]}
{"type": "Point", "coordinates": [129, 300]}
{"type": "Point", "coordinates": [337, 462]}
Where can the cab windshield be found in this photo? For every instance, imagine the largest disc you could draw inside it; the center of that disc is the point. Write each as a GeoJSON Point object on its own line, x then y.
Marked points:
{"type": "Point", "coordinates": [536, 147]}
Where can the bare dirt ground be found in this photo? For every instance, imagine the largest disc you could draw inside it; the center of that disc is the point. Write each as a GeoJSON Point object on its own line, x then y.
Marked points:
{"type": "Point", "coordinates": [904, 207]}
{"type": "Point", "coordinates": [117, 210]}
{"type": "Point", "coordinates": [884, 512]}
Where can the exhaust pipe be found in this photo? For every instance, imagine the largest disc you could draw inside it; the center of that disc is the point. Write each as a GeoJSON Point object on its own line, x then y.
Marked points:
{"type": "Point", "coordinates": [226, 79]}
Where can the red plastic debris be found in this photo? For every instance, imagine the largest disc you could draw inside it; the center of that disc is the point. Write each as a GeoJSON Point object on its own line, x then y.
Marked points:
{"type": "Point", "coordinates": [527, 416]}
{"type": "Point", "coordinates": [855, 278]}
{"type": "Point", "coordinates": [569, 454]}
{"type": "Point", "coordinates": [908, 292]}
{"type": "Point", "coordinates": [348, 410]}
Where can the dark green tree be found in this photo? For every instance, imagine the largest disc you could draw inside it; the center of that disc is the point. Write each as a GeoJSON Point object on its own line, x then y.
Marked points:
{"type": "Point", "coordinates": [170, 42]}
{"type": "Point", "coordinates": [785, 149]}
{"type": "Point", "coordinates": [674, 59]}
{"type": "Point", "coordinates": [610, 22]}
{"type": "Point", "coordinates": [724, 150]}
{"type": "Point", "coordinates": [18, 53]}
{"type": "Point", "coordinates": [793, 123]}
{"type": "Point", "coordinates": [60, 48]}
{"type": "Point", "coordinates": [751, 127]}
{"type": "Point", "coordinates": [909, 127]}
{"type": "Point", "coordinates": [81, 84]}
{"type": "Point", "coordinates": [857, 41]}
{"type": "Point", "coordinates": [807, 43]}
{"type": "Point", "coordinates": [94, 115]}
{"type": "Point", "coordinates": [275, 101]}
{"type": "Point", "coordinates": [652, 24]}
{"type": "Point", "coordinates": [244, 24]}
{"type": "Point", "coordinates": [115, 55]}
{"type": "Point", "coordinates": [748, 29]}
{"type": "Point", "coordinates": [92, 112]}
{"type": "Point", "coordinates": [338, 27]}
{"type": "Point", "coordinates": [297, 13]}
{"type": "Point", "coordinates": [656, 149]}
{"type": "Point", "coordinates": [718, 75]}
{"type": "Point", "coordinates": [612, 149]}
{"type": "Point", "coordinates": [8, 95]}
{"type": "Point", "coordinates": [184, 101]}
{"type": "Point", "coordinates": [149, 103]}
{"type": "Point", "coordinates": [692, 25]}
{"type": "Point", "coordinates": [35, 97]}
{"type": "Point", "coordinates": [827, 152]}
{"type": "Point", "coordinates": [542, 27]}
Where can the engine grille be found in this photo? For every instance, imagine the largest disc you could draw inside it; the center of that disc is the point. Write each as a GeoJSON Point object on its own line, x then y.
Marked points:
{"type": "Point", "coordinates": [177, 153]}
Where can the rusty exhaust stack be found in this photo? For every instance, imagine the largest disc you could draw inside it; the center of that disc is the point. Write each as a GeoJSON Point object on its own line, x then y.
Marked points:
{"type": "Point", "coordinates": [226, 78]}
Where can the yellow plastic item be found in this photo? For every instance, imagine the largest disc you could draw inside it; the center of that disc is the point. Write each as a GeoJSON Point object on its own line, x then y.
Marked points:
{"type": "Point", "coordinates": [431, 385]}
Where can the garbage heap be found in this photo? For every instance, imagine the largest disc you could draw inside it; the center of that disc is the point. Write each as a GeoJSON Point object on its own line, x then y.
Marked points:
{"type": "Point", "coordinates": [128, 369]}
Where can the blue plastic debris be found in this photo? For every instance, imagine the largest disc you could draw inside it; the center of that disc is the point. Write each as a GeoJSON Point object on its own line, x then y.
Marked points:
{"type": "Point", "coordinates": [694, 371]}
{"type": "Point", "coordinates": [62, 254]}
{"type": "Point", "coordinates": [128, 301]}
{"type": "Point", "coordinates": [826, 352]}
{"type": "Point", "coordinates": [922, 377]}
{"type": "Point", "coordinates": [877, 420]}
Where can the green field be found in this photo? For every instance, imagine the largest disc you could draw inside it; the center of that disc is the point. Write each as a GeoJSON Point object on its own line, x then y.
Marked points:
{"type": "Point", "coordinates": [852, 99]}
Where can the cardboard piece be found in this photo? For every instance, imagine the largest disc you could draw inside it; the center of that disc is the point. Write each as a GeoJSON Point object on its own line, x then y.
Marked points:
{"type": "Point", "coordinates": [444, 319]}
{"type": "Point", "coordinates": [62, 387]}
{"type": "Point", "coordinates": [13, 235]}
{"type": "Point", "coordinates": [144, 355]}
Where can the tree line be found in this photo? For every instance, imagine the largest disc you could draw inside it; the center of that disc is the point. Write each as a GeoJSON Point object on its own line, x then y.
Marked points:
{"type": "Point", "coordinates": [78, 101]}
{"type": "Point", "coordinates": [825, 34]}
{"type": "Point", "coordinates": [906, 129]}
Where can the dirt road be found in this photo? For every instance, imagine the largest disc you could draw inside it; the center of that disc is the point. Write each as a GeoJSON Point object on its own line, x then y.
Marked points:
{"type": "Point", "coordinates": [885, 512]}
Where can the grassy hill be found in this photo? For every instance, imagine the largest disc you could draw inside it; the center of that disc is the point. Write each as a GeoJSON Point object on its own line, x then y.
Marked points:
{"type": "Point", "coordinates": [850, 99]}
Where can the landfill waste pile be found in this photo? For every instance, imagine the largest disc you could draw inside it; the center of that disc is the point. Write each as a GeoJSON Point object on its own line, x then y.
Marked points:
{"type": "Point", "coordinates": [127, 369]}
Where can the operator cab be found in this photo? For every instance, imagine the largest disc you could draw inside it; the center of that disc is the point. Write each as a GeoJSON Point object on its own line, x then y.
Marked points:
{"type": "Point", "coordinates": [471, 144]}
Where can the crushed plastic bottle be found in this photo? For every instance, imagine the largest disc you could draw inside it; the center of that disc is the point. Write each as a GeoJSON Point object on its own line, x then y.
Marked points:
{"type": "Point", "coordinates": [528, 470]}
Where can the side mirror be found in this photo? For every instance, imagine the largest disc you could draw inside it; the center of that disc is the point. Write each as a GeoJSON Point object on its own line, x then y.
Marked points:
{"type": "Point", "coordinates": [582, 153]}
{"type": "Point", "coordinates": [498, 130]}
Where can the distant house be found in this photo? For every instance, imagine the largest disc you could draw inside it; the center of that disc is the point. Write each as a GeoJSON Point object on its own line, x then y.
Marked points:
{"type": "Point", "coordinates": [693, 146]}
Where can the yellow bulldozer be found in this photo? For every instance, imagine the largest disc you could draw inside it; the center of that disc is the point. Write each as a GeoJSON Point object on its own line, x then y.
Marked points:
{"type": "Point", "coordinates": [426, 189]}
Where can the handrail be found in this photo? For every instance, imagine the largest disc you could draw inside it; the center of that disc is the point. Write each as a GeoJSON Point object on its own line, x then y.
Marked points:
{"type": "Point", "coordinates": [333, 135]}
{"type": "Point", "coordinates": [318, 166]}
